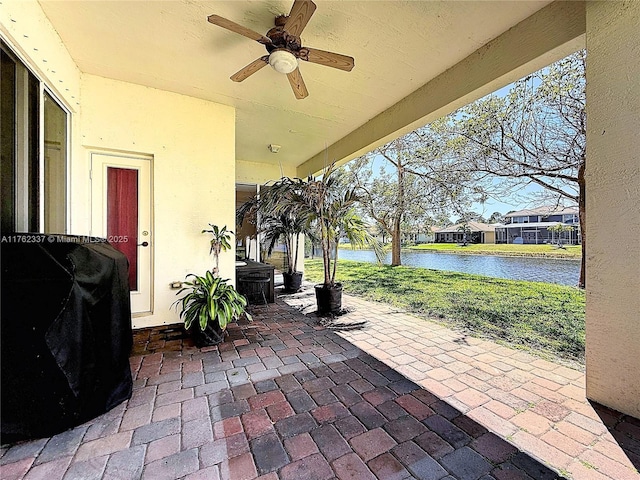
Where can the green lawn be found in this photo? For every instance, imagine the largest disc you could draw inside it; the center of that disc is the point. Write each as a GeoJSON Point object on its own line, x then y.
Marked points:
{"type": "Point", "coordinates": [544, 318]}
{"type": "Point", "coordinates": [549, 251]}
{"type": "Point", "coordinates": [504, 249]}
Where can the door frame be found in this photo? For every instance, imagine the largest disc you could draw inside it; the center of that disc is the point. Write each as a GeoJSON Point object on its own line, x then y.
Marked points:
{"type": "Point", "coordinates": [136, 157]}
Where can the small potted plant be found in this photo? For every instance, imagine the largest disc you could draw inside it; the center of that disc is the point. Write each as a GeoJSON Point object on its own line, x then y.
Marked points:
{"type": "Point", "coordinates": [208, 302]}
{"type": "Point", "coordinates": [220, 242]}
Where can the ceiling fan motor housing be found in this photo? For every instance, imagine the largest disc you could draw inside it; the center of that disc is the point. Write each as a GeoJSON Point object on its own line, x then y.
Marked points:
{"type": "Point", "coordinates": [280, 39]}
{"type": "Point", "coordinates": [283, 49]}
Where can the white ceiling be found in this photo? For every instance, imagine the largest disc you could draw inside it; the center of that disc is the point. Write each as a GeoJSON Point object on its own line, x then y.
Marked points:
{"type": "Point", "coordinates": [398, 46]}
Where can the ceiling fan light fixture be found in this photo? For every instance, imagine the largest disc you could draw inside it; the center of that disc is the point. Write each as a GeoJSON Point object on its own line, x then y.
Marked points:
{"type": "Point", "coordinates": [283, 61]}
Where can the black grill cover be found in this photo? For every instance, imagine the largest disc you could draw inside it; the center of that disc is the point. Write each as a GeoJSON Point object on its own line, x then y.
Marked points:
{"type": "Point", "coordinates": [66, 333]}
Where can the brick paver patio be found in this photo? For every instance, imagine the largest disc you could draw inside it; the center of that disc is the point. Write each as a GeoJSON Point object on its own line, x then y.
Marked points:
{"type": "Point", "coordinates": [284, 398]}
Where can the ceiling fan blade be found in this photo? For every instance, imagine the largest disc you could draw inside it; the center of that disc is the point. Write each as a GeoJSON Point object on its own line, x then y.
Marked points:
{"type": "Point", "coordinates": [329, 59]}
{"type": "Point", "coordinates": [297, 84]}
{"type": "Point", "coordinates": [299, 16]}
{"type": "Point", "coordinates": [250, 69]}
{"type": "Point", "coordinates": [234, 27]}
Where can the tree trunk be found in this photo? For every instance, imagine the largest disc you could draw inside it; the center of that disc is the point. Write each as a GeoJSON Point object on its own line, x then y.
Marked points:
{"type": "Point", "coordinates": [396, 234]}
{"type": "Point", "coordinates": [395, 244]}
{"type": "Point", "coordinates": [335, 262]}
{"type": "Point", "coordinates": [326, 253]}
{"type": "Point", "coordinates": [288, 247]}
{"type": "Point", "coordinates": [295, 254]}
{"type": "Point", "coordinates": [582, 215]}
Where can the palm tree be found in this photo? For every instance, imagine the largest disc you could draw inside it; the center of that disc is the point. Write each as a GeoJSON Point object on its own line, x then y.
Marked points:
{"type": "Point", "coordinates": [466, 233]}
{"type": "Point", "coordinates": [326, 205]}
{"type": "Point", "coordinates": [288, 228]}
{"type": "Point", "coordinates": [330, 203]}
{"type": "Point", "coordinates": [277, 221]}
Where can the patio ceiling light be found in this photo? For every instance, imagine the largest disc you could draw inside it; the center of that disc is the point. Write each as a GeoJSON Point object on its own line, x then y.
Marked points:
{"type": "Point", "coordinates": [283, 61]}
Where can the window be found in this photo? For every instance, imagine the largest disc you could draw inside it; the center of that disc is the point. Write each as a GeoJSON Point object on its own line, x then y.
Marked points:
{"type": "Point", "coordinates": [33, 134]}
{"type": "Point", "coordinates": [55, 166]}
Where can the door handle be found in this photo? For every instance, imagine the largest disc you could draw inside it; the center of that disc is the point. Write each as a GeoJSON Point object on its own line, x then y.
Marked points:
{"type": "Point", "coordinates": [143, 244]}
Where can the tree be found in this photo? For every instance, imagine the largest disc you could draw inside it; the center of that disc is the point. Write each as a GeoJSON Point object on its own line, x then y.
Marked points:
{"type": "Point", "coordinates": [407, 190]}
{"type": "Point", "coordinates": [275, 219]}
{"type": "Point", "coordinates": [466, 233]}
{"type": "Point", "coordinates": [534, 134]}
{"type": "Point", "coordinates": [496, 217]}
{"type": "Point", "coordinates": [466, 217]}
{"type": "Point", "coordinates": [560, 229]}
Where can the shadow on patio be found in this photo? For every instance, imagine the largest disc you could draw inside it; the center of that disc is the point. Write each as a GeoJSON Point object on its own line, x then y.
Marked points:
{"type": "Point", "coordinates": [285, 398]}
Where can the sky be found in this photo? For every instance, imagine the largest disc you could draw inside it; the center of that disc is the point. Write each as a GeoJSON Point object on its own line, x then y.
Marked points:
{"type": "Point", "coordinates": [509, 203]}
{"type": "Point", "coordinates": [487, 208]}
{"type": "Point", "coordinates": [520, 199]}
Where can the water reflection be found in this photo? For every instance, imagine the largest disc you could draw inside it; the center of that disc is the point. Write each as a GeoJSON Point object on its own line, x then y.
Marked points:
{"type": "Point", "coordinates": [561, 271]}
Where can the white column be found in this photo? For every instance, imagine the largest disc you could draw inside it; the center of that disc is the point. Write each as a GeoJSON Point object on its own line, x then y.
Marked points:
{"type": "Point", "coordinates": [613, 205]}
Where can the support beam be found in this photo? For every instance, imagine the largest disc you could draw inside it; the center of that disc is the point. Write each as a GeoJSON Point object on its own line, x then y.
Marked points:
{"type": "Point", "coordinates": [548, 35]}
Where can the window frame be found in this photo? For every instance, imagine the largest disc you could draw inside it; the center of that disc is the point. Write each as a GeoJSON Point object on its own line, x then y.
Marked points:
{"type": "Point", "coordinates": [29, 194]}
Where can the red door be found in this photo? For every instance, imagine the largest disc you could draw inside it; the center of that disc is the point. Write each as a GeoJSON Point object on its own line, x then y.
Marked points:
{"type": "Point", "coordinates": [121, 212]}
{"type": "Point", "coordinates": [122, 216]}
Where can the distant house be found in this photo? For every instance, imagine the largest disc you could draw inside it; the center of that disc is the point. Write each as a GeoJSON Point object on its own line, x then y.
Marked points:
{"type": "Point", "coordinates": [425, 235]}
{"type": "Point", "coordinates": [532, 226]}
{"type": "Point", "coordinates": [476, 232]}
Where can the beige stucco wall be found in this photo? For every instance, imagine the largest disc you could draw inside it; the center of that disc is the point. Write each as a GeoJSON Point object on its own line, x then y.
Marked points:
{"type": "Point", "coordinates": [489, 237]}
{"type": "Point", "coordinates": [613, 205]}
{"type": "Point", "coordinates": [192, 143]}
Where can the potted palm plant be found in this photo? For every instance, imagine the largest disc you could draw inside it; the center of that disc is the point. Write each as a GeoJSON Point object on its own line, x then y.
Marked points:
{"type": "Point", "coordinates": [287, 228]}
{"type": "Point", "coordinates": [208, 302]}
{"type": "Point", "coordinates": [329, 203]}
{"type": "Point", "coordinates": [273, 210]}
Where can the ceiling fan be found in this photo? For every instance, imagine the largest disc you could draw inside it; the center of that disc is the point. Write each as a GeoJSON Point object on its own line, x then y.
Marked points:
{"type": "Point", "coordinates": [283, 45]}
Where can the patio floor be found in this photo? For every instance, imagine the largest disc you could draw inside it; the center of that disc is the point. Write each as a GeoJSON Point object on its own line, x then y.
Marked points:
{"type": "Point", "coordinates": [284, 398]}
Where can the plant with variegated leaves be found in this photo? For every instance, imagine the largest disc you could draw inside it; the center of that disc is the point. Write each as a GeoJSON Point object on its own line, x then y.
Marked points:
{"type": "Point", "coordinates": [208, 299]}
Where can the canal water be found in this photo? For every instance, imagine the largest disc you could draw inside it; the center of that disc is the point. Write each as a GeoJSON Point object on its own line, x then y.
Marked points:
{"type": "Point", "coordinates": [560, 271]}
